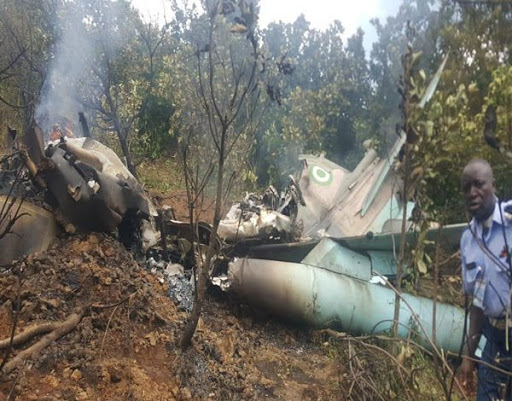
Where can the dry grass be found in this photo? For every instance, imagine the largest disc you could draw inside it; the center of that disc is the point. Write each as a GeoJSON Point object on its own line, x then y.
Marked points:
{"type": "Point", "coordinates": [383, 368]}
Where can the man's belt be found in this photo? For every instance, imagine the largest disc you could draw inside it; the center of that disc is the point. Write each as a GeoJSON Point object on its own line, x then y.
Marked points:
{"type": "Point", "coordinates": [499, 323]}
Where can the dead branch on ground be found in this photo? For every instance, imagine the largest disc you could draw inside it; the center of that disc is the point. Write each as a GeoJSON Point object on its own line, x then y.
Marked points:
{"type": "Point", "coordinates": [63, 328]}
{"type": "Point", "coordinates": [55, 329]}
{"type": "Point", "coordinates": [385, 338]}
{"type": "Point", "coordinates": [98, 307]}
{"type": "Point", "coordinates": [406, 376]}
{"type": "Point", "coordinates": [28, 334]}
{"type": "Point", "coordinates": [361, 380]}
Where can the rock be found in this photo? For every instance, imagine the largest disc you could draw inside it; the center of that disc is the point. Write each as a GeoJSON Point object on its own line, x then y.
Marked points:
{"type": "Point", "coordinates": [105, 376]}
{"type": "Point", "coordinates": [76, 375]}
{"type": "Point", "coordinates": [70, 228]}
{"type": "Point", "coordinates": [109, 251]}
{"type": "Point", "coordinates": [225, 346]}
{"type": "Point", "coordinates": [186, 394]}
{"type": "Point", "coordinates": [174, 269]}
{"type": "Point", "coordinates": [54, 303]}
{"type": "Point", "coordinates": [175, 391]}
{"type": "Point", "coordinates": [52, 381]}
{"type": "Point", "coordinates": [152, 337]}
{"type": "Point", "coordinates": [200, 325]}
{"type": "Point", "coordinates": [66, 373]}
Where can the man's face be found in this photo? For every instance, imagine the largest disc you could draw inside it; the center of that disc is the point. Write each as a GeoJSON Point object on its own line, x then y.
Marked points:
{"type": "Point", "coordinates": [478, 189]}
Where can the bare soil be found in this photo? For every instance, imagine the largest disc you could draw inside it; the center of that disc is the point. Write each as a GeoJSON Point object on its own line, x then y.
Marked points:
{"type": "Point", "coordinates": [125, 346]}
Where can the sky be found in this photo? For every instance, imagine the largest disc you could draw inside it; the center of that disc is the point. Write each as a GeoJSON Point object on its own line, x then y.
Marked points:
{"type": "Point", "coordinates": [320, 13]}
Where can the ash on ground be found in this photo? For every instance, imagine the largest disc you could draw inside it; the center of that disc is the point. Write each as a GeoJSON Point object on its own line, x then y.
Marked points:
{"type": "Point", "coordinates": [180, 281]}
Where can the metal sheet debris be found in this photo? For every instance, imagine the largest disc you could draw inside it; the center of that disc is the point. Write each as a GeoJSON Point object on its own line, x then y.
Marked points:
{"type": "Point", "coordinates": [322, 298]}
{"type": "Point", "coordinates": [76, 183]}
{"type": "Point", "coordinates": [34, 232]}
{"type": "Point", "coordinates": [269, 216]}
{"type": "Point", "coordinates": [348, 226]}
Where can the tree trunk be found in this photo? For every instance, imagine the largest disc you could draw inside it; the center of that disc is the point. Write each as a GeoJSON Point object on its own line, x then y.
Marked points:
{"type": "Point", "coordinates": [202, 279]}
{"type": "Point", "coordinates": [127, 154]}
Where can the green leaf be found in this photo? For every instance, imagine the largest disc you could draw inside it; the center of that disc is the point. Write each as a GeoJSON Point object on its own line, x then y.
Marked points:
{"type": "Point", "coordinates": [422, 267]}
{"type": "Point", "coordinates": [416, 57]}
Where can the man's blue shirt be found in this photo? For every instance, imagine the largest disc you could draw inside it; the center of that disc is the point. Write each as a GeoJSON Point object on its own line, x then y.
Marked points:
{"type": "Point", "coordinates": [486, 274]}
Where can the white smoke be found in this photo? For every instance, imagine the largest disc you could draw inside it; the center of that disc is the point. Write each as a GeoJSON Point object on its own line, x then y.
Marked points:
{"type": "Point", "coordinates": [89, 30]}
{"type": "Point", "coordinates": [58, 100]}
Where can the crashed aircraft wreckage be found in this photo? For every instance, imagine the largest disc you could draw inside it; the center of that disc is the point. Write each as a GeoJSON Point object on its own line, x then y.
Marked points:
{"type": "Point", "coordinates": [80, 183]}
{"type": "Point", "coordinates": [328, 241]}
{"type": "Point", "coordinates": [340, 283]}
{"type": "Point", "coordinates": [336, 275]}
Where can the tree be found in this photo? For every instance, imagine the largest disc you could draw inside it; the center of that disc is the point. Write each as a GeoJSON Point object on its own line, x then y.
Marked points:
{"type": "Point", "coordinates": [124, 60]}
{"type": "Point", "coordinates": [385, 61]}
{"type": "Point", "coordinates": [478, 38]}
{"type": "Point", "coordinates": [27, 32]}
{"type": "Point", "coordinates": [324, 98]}
{"type": "Point", "coordinates": [227, 79]}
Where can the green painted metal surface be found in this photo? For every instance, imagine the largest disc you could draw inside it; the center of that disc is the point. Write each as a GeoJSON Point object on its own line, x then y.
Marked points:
{"type": "Point", "coordinates": [322, 298]}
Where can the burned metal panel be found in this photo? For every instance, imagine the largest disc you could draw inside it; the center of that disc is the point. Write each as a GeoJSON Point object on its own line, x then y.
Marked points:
{"type": "Point", "coordinates": [319, 297]}
{"type": "Point", "coordinates": [74, 198]}
{"type": "Point", "coordinates": [32, 232]}
{"type": "Point", "coordinates": [287, 252]}
{"type": "Point", "coordinates": [262, 223]}
{"type": "Point", "coordinates": [32, 142]}
{"type": "Point", "coordinates": [449, 237]}
{"type": "Point", "coordinates": [268, 216]}
{"type": "Point", "coordinates": [332, 256]}
{"type": "Point", "coordinates": [383, 263]}
{"type": "Point", "coordinates": [111, 164]}
{"type": "Point", "coordinates": [87, 198]}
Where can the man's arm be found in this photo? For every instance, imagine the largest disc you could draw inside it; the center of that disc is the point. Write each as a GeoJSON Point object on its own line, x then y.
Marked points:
{"type": "Point", "coordinates": [476, 318]}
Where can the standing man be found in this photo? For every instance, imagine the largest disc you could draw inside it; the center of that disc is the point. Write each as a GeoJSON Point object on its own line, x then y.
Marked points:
{"type": "Point", "coordinates": [486, 277]}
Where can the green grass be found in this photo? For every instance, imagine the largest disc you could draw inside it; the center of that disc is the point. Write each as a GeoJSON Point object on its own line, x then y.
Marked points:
{"type": "Point", "coordinates": [164, 175]}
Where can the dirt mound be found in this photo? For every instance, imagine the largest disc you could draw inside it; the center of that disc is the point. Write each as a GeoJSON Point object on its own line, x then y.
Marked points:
{"type": "Point", "coordinates": [124, 345]}
{"type": "Point", "coordinates": [178, 201]}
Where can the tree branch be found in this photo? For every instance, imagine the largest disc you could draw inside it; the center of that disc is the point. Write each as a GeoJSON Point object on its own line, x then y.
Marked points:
{"type": "Point", "coordinates": [64, 328]}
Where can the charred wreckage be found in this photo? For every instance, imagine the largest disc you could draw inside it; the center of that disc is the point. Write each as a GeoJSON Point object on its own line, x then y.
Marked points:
{"type": "Point", "coordinates": [77, 184]}
{"type": "Point", "coordinates": [321, 253]}
{"type": "Point", "coordinates": [58, 181]}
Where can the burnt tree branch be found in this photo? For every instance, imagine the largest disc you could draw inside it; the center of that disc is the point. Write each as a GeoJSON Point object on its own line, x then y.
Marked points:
{"type": "Point", "coordinates": [63, 328]}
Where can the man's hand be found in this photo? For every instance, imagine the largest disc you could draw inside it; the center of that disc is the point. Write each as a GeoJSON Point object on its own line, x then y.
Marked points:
{"type": "Point", "coordinates": [465, 373]}
{"type": "Point", "coordinates": [465, 376]}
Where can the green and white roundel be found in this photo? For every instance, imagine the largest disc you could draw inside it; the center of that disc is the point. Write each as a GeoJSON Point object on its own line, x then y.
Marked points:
{"type": "Point", "coordinates": [320, 175]}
